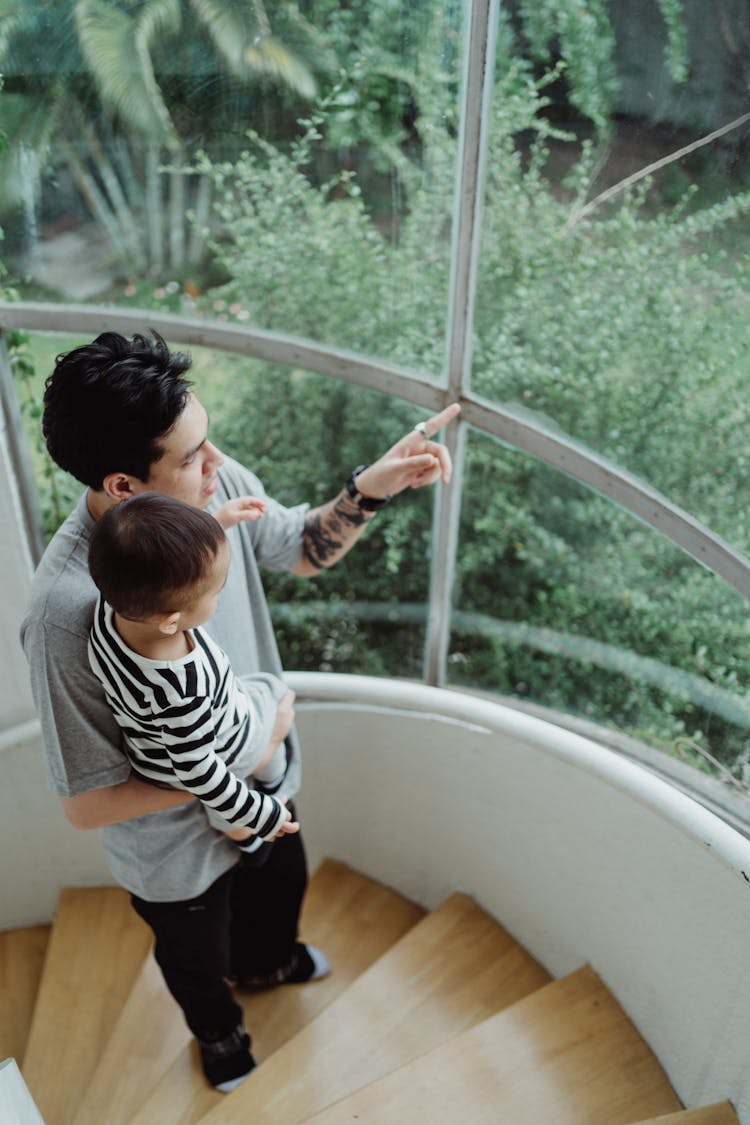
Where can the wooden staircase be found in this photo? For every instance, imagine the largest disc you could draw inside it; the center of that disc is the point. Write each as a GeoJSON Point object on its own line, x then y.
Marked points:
{"type": "Point", "coordinates": [426, 1018]}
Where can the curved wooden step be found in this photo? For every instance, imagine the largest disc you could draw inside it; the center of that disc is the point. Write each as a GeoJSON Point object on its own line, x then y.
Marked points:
{"type": "Point", "coordinates": [453, 970]}
{"type": "Point", "coordinates": [349, 916]}
{"type": "Point", "coordinates": [567, 1054]}
{"type": "Point", "coordinates": [22, 954]}
{"type": "Point", "coordinates": [95, 951]}
{"type": "Point", "coordinates": [371, 1047]}
{"type": "Point", "coordinates": [720, 1113]}
{"type": "Point", "coordinates": [146, 1039]}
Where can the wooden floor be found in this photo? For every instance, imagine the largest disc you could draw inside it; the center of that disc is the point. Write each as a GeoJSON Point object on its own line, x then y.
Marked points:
{"type": "Point", "coordinates": [721, 1113]}
{"type": "Point", "coordinates": [426, 1019]}
{"type": "Point", "coordinates": [22, 954]}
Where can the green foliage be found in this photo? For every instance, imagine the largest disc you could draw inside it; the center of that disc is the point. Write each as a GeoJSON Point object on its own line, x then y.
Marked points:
{"type": "Point", "coordinates": [582, 35]}
{"type": "Point", "coordinates": [620, 330]}
{"type": "Point", "coordinates": [399, 69]}
{"type": "Point", "coordinates": [614, 329]}
{"type": "Point", "coordinates": [340, 281]}
{"type": "Point", "coordinates": [57, 491]}
{"type": "Point", "coordinates": [586, 42]}
{"type": "Point", "coordinates": [113, 90]}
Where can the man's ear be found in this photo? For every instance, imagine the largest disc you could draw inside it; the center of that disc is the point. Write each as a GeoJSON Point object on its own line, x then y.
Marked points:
{"type": "Point", "coordinates": [119, 486]}
{"type": "Point", "coordinates": [169, 623]}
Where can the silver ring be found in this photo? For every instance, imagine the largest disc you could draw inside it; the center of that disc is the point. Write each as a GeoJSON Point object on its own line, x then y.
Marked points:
{"type": "Point", "coordinates": [421, 428]}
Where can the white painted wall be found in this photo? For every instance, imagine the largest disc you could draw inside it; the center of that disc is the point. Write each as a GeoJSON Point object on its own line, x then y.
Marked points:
{"type": "Point", "coordinates": [39, 851]}
{"type": "Point", "coordinates": [582, 855]}
{"type": "Point", "coordinates": [16, 704]}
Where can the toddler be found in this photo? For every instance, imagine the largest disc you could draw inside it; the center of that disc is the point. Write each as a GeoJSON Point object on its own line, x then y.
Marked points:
{"type": "Point", "coordinates": [186, 719]}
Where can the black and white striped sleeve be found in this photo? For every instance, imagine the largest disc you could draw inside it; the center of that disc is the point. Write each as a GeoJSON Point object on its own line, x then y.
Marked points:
{"type": "Point", "coordinates": [188, 738]}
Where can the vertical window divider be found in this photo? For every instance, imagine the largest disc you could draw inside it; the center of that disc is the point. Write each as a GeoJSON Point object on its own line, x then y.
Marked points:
{"type": "Point", "coordinates": [23, 481]}
{"type": "Point", "coordinates": [478, 80]}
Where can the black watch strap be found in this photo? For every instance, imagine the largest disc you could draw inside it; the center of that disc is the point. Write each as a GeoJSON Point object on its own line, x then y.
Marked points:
{"type": "Point", "coordinates": [366, 503]}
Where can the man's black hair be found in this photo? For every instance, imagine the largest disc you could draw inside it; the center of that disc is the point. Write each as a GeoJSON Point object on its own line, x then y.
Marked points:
{"type": "Point", "coordinates": [107, 404]}
{"type": "Point", "coordinates": [151, 553]}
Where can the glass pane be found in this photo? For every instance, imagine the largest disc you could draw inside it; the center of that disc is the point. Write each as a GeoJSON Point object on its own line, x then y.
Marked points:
{"type": "Point", "coordinates": [32, 358]}
{"type": "Point", "coordinates": [290, 166]}
{"type": "Point", "coordinates": [302, 435]}
{"type": "Point", "coordinates": [563, 600]}
{"type": "Point", "coordinates": [623, 321]}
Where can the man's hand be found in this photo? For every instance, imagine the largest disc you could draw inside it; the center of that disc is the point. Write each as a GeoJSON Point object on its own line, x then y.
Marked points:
{"type": "Point", "coordinates": [240, 510]}
{"type": "Point", "coordinates": [416, 460]}
{"type": "Point", "coordinates": [412, 462]}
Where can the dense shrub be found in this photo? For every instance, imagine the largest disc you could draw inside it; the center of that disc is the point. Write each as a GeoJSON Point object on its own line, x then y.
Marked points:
{"type": "Point", "coordinates": [617, 328]}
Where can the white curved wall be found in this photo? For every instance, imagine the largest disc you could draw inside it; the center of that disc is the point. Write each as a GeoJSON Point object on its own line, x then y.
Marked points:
{"type": "Point", "coordinates": [15, 574]}
{"type": "Point", "coordinates": [582, 855]}
{"type": "Point", "coordinates": [38, 849]}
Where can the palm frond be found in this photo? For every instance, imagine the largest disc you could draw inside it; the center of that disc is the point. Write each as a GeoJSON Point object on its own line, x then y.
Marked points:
{"type": "Point", "coordinates": [116, 50]}
{"type": "Point", "coordinates": [30, 131]}
{"type": "Point", "coordinates": [301, 37]}
{"type": "Point", "coordinates": [34, 38]}
{"type": "Point", "coordinates": [270, 58]}
{"type": "Point", "coordinates": [158, 16]}
{"type": "Point", "coordinates": [241, 36]}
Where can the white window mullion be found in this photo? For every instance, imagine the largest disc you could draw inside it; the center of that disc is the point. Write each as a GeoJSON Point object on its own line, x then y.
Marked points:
{"type": "Point", "coordinates": [478, 82]}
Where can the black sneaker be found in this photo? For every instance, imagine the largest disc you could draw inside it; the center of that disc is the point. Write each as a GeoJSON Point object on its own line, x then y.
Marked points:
{"type": "Point", "coordinates": [306, 963]}
{"type": "Point", "coordinates": [227, 1062]}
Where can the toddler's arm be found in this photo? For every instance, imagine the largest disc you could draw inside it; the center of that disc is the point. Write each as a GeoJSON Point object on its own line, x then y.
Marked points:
{"type": "Point", "coordinates": [269, 773]}
{"type": "Point", "coordinates": [240, 835]}
{"type": "Point", "coordinates": [240, 510]}
{"type": "Point", "coordinates": [199, 767]}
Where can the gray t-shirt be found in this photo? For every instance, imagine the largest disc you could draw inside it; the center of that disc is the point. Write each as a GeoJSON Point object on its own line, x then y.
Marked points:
{"type": "Point", "coordinates": [174, 854]}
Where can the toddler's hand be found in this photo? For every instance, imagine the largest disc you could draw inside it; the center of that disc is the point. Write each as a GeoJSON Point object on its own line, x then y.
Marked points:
{"type": "Point", "coordinates": [240, 510]}
{"type": "Point", "coordinates": [289, 827]}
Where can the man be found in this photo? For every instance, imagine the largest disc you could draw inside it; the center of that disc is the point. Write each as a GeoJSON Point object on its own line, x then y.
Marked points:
{"type": "Point", "coordinates": [120, 416]}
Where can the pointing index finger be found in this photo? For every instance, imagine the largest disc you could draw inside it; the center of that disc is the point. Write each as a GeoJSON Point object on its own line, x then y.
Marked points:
{"type": "Point", "coordinates": [432, 425]}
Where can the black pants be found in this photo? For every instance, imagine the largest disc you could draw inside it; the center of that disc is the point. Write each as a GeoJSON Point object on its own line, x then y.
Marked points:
{"type": "Point", "coordinates": [244, 924]}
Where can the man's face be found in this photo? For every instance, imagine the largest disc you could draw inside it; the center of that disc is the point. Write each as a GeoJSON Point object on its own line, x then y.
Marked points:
{"type": "Point", "coordinates": [187, 469]}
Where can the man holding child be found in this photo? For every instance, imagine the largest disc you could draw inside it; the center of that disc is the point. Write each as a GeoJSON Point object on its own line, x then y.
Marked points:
{"type": "Point", "coordinates": [121, 417]}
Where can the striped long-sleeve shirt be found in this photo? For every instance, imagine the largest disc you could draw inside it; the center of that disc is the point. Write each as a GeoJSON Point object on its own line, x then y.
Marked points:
{"type": "Point", "coordinates": [184, 722]}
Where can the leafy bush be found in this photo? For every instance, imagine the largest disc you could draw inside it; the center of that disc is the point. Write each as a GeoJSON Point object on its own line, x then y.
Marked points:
{"type": "Point", "coordinates": [618, 329]}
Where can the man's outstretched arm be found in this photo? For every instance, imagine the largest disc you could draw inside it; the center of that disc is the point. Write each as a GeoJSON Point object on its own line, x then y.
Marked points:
{"type": "Point", "coordinates": [413, 462]}
{"type": "Point", "coordinates": [97, 808]}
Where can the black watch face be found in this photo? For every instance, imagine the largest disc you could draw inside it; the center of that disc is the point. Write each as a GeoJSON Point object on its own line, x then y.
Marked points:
{"type": "Point", "coordinates": [366, 503]}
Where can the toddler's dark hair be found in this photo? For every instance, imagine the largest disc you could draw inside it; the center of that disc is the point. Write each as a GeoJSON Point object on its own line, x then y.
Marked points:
{"type": "Point", "coordinates": [148, 554]}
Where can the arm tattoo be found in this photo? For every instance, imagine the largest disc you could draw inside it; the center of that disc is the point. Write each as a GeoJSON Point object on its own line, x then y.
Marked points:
{"type": "Point", "coordinates": [324, 534]}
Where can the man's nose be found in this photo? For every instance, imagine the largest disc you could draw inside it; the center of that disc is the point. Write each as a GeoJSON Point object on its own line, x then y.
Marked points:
{"type": "Point", "coordinates": [214, 456]}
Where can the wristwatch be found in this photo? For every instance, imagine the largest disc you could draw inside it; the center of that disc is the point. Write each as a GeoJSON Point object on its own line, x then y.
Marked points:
{"type": "Point", "coordinates": [366, 503]}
